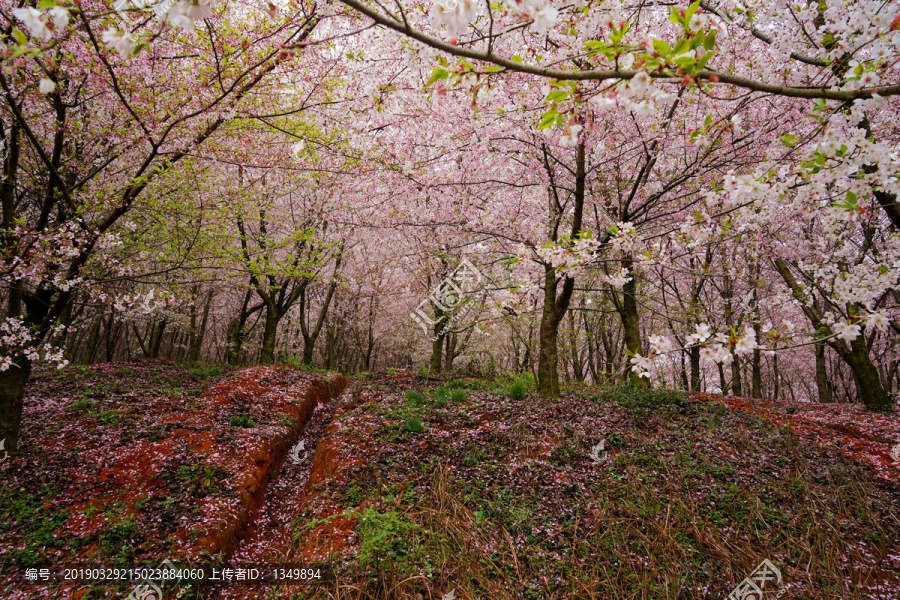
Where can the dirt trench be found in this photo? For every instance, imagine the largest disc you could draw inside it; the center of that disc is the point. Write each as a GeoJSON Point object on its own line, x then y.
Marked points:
{"type": "Point", "coordinates": [266, 538]}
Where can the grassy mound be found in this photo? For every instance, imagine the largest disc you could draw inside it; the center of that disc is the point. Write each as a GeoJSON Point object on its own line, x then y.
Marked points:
{"type": "Point", "coordinates": [497, 494]}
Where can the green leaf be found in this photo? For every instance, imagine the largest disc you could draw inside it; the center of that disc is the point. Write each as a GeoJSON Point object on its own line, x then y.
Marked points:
{"type": "Point", "coordinates": [516, 58]}
{"type": "Point", "coordinates": [438, 73]}
{"type": "Point", "coordinates": [556, 96]}
{"type": "Point", "coordinates": [681, 47]}
{"type": "Point", "coordinates": [661, 47]}
{"type": "Point", "coordinates": [494, 69]}
{"type": "Point", "coordinates": [788, 139]}
{"type": "Point", "coordinates": [676, 17]}
{"type": "Point", "coordinates": [547, 119]}
{"type": "Point", "coordinates": [613, 229]}
{"type": "Point", "coordinates": [442, 61]}
{"type": "Point", "coordinates": [47, 4]}
{"type": "Point", "coordinates": [851, 198]}
{"type": "Point", "coordinates": [20, 37]}
{"type": "Point", "coordinates": [710, 40]}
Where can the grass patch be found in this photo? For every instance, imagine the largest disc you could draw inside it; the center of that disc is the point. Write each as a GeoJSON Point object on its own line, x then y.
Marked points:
{"type": "Point", "coordinates": [37, 525]}
{"type": "Point", "coordinates": [82, 404]}
{"type": "Point", "coordinates": [242, 421]}
{"type": "Point", "coordinates": [413, 424]}
{"type": "Point", "coordinates": [415, 398]}
{"type": "Point", "coordinates": [213, 371]}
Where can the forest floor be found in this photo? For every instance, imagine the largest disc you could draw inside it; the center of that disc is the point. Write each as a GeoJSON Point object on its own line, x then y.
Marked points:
{"type": "Point", "coordinates": [421, 489]}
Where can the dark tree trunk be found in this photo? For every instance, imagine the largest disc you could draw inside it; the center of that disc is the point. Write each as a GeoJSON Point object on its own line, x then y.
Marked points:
{"type": "Point", "coordinates": [198, 332]}
{"type": "Point", "coordinates": [311, 335]}
{"type": "Point", "coordinates": [237, 329]}
{"type": "Point", "coordinates": [113, 329]}
{"type": "Point", "coordinates": [157, 337]}
{"type": "Point", "coordinates": [577, 361]}
{"type": "Point", "coordinates": [871, 391]}
{"type": "Point", "coordinates": [452, 340]}
{"type": "Point", "coordinates": [93, 341]}
{"type": "Point", "coordinates": [736, 388]}
{"type": "Point", "coordinates": [822, 383]}
{"type": "Point", "coordinates": [556, 303]}
{"type": "Point", "coordinates": [695, 369]}
{"type": "Point", "coordinates": [631, 330]}
{"type": "Point", "coordinates": [855, 355]}
{"type": "Point", "coordinates": [548, 375]}
{"type": "Point", "coordinates": [270, 334]}
{"type": "Point", "coordinates": [777, 389]}
{"type": "Point", "coordinates": [756, 368]}
{"type": "Point", "coordinates": [12, 388]}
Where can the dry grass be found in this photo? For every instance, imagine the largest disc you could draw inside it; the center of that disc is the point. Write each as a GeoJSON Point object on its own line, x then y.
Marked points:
{"type": "Point", "coordinates": [689, 501]}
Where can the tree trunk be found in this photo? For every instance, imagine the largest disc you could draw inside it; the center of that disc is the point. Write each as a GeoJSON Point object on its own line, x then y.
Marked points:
{"type": "Point", "coordinates": [370, 345]}
{"type": "Point", "coordinates": [556, 304]}
{"type": "Point", "coordinates": [775, 373]}
{"type": "Point", "coordinates": [270, 333]}
{"type": "Point", "coordinates": [113, 329]}
{"type": "Point", "coordinates": [736, 388]}
{"type": "Point", "coordinates": [822, 383]}
{"type": "Point", "coordinates": [548, 376]}
{"type": "Point", "coordinates": [695, 369]}
{"type": "Point", "coordinates": [871, 391]}
{"type": "Point", "coordinates": [197, 333]}
{"type": "Point", "coordinates": [157, 337]}
{"type": "Point", "coordinates": [577, 361]}
{"type": "Point", "coordinates": [437, 348]}
{"type": "Point", "coordinates": [756, 369]}
{"type": "Point", "coordinates": [93, 341]}
{"type": "Point", "coordinates": [12, 388]}
{"type": "Point", "coordinates": [631, 323]}
{"type": "Point", "coordinates": [441, 326]}
{"type": "Point", "coordinates": [856, 355]}
{"type": "Point", "coordinates": [310, 336]}
{"type": "Point", "coordinates": [452, 340]}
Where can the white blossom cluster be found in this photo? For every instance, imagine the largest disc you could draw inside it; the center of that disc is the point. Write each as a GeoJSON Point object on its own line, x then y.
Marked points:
{"type": "Point", "coordinates": [17, 339]}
